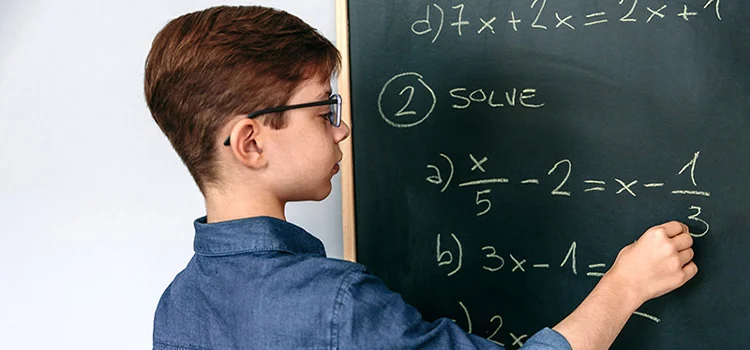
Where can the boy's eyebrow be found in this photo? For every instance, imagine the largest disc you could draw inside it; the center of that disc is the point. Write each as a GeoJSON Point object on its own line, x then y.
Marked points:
{"type": "Point", "coordinates": [325, 94]}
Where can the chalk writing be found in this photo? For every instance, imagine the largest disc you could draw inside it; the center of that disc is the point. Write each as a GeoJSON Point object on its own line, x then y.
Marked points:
{"type": "Point", "coordinates": [536, 24]}
{"type": "Point", "coordinates": [487, 24]}
{"type": "Point", "coordinates": [595, 188]}
{"type": "Point", "coordinates": [500, 325]}
{"type": "Point", "coordinates": [596, 273]}
{"type": "Point", "coordinates": [477, 163]}
{"type": "Point", "coordinates": [428, 24]}
{"type": "Point", "coordinates": [512, 98]}
{"type": "Point", "coordinates": [685, 14]}
{"type": "Point", "coordinates": [405, 112]}
{"type": "Point", "coordinates": [655, 13]}
{"type": "Point", "coordinates": [644, 315]}
{"type": "Point", "coordinates": [572, 255]}
{"type": "Point", "coordinates": [716, 5]}
{"type": "Point", "coordinates": [562, 172]}
{"type": "Point", "coordinates": [447, 253]}
{"type": "Point", "coordinates": [594, 20]}
{"type": "Point", "coordinates": [460, 22]}
{"type": "Point", "coordinates": [494, 262]}
{"type": "Point", "coordinates": [500, 263]}
{"type": "Point", "coordinates": [483, 201]}
{"type": "Point", "coordinates": [468, 317]}
{"type": "Point", "coordinates": [437, 179]}
{"type": "Point", "coordinates": [399, 118]}
{"type": "Point", "coordinates": [514, 21]}
{"type": "Point", "coordinates": [627, 17]}
{"type": "Point", "coordinates": [537, 14]}
{"type": "Point", "coordinates": [561, 21]}
{"type": "Point", "coordinates": [695, 217]}
{"type": "Point", "coordinates": [517, 340]}
{"type": "Point", "coordinates": [556, 191]}
{"type": "Point", "coordinates": [626, 187]}
{"type": "Point", "coordinates": [519, 264]}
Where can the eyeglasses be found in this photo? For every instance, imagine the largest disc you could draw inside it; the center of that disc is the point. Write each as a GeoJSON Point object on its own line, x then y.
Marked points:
{"type": "Point", "coordinates": [334, 115]}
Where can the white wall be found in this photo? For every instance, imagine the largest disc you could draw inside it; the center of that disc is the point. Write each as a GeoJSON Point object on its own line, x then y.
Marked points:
{"type": "Point", "coordinates": [96, 208]}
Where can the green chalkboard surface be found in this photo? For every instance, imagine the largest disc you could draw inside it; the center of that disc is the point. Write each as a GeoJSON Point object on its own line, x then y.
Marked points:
{"type": "Point", "coordinates": [505, 151]}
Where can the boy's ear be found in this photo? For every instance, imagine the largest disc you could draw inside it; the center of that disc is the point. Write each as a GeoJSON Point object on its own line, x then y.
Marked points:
{"type": "Point", "coordinates": [247, 144]}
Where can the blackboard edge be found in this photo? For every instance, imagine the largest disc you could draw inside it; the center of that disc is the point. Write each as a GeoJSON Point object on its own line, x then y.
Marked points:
{"type": "Point", "coordinates": [347, 163]}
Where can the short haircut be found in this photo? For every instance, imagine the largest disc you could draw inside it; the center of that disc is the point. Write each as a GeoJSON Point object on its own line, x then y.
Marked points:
{"type": "Point", "coordinates": [205, 67]}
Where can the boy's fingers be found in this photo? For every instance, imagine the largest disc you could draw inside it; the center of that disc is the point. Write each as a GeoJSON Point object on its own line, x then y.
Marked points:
{"type": "Point", "coordinates": [690, 270]}
{"type": "Point", "coordinates": [685, 228]}
{"type": "Point", "coordinates": [682, 241]}
{"type": "Point", "coordinates": [686, 256]}
{"type": "Point", "coordinates": [674, 228]}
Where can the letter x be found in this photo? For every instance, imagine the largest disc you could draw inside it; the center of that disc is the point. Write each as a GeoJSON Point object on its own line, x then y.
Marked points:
{"type": "Point", "coordinates": [562, 21]}
{"type": "Point", "coordinates": [655, 13]}
{"type": "Point", "coordinates": [518, 340]}
{"type": "Point", "coordinates": [487, 24]}
{"type": "Point", "coordinates": [477, 163]}
{"type": "Point", "coordinates": [626, 187]}
{"type": "Point", "coordinates": [519, 265]}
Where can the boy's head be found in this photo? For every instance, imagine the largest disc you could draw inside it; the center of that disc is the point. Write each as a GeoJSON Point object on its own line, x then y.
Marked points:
{"type": "Point", "coordinates": [208, 70]}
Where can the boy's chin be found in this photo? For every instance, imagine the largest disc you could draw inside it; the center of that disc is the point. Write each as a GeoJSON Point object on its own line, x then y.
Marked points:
{"type": "Point", "coordinates": [323, 195]}
{"type": "Point", "coordinates": [319, 194]}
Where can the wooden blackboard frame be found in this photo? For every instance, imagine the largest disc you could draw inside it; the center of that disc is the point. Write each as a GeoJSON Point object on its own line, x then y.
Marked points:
{"type": "Point", "coordinates": [347, 163]}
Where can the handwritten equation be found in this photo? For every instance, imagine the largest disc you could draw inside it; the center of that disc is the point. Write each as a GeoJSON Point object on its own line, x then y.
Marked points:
{"type": "Point", "coordinates": [453, 263]}
{"type": "Point", "coordinates": [559, 175]}
{"type": "Point", "coordinates": [497, 262]}
{"type": "Point", "coordinates": [451, 260]}
{"type": "Point", "coordinates": [517, 340]}
{"type": "Point", "coordinates": [450, 253]}
{"type": "Point", "coordinates": [436, 19]}
{"type": "Point", "coordinates": [496, 322]}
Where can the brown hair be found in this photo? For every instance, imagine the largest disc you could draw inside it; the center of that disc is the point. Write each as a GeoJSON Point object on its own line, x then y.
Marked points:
{"type": "Point", "coordinates": [207, 66]}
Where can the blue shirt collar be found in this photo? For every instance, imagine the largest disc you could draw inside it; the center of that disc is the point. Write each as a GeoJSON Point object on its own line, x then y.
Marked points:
{"type": "Point", "coordinates": [254, 234]}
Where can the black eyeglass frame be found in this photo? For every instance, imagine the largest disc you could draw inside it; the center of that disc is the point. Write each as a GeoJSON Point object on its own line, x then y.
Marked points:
{"type": "Point", "coordinates": [335, 119]}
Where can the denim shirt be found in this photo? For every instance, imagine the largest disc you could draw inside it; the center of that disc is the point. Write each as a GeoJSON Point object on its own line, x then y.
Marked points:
{"type": "Point", "coordinates": [263, 283]}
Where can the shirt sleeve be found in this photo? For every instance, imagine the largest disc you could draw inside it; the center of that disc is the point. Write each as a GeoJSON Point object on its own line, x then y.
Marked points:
{"type": "Point", "coordinates": [370, 316]}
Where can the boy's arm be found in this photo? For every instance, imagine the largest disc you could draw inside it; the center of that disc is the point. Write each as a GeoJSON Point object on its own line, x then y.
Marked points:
{"type": "Point", "coordinates": [659, 262]}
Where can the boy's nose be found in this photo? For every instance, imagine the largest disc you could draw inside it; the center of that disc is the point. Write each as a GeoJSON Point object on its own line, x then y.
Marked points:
{"type": "Point", "coordinates": [342, 132]}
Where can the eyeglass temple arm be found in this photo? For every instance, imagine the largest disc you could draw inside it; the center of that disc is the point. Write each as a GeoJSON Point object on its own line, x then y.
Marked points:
{"type": "Point", "coordinates": [286, 108]}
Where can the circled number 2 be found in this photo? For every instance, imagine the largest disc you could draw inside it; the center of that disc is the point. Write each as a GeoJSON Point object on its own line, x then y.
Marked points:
{"type": "Point", "coordinates": [402, 112]}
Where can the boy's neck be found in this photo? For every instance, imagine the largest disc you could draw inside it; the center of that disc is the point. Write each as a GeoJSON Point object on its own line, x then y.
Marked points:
{"type": "Point", "coordinates": [234, 205]}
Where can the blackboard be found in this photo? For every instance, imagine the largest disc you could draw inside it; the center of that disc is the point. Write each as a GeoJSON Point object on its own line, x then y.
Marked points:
{"type": "Point", "coordinates": [505, 151]}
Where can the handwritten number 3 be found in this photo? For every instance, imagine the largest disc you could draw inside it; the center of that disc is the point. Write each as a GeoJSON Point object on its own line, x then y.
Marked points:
{"type": "Point", "coordinates": [696, 218]}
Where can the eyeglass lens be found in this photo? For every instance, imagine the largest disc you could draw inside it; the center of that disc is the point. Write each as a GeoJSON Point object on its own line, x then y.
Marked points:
{"type": "Point", "coordinates": [333, 117]}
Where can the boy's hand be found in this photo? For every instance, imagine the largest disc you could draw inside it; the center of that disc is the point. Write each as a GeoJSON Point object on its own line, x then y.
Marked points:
{"type": "Point", "coordinates": [659, 262]}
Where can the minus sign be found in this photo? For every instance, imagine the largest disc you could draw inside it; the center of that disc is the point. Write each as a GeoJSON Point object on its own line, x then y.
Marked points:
{"type": "Point", "coordinates": [541, 266]}
{"type": "Point", "coordinates": [654, 185]}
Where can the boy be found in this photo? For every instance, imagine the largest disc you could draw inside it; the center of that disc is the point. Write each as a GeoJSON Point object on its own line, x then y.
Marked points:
{"type": "Point", "coordinates": [243, 94]}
